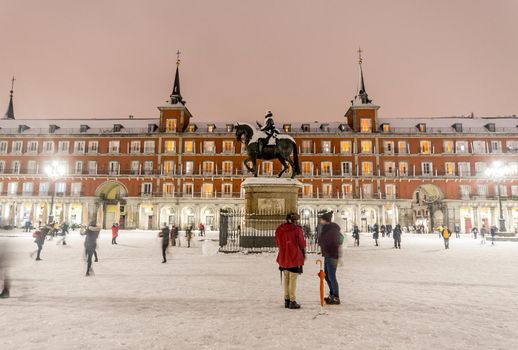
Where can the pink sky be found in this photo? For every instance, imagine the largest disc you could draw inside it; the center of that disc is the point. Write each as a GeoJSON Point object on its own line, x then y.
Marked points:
{"type": "Point", "coordinates": [112, 58]}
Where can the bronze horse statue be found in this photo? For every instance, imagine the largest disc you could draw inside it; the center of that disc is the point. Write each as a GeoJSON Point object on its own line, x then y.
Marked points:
{"type": "Point", "coordinates": [282, 150]}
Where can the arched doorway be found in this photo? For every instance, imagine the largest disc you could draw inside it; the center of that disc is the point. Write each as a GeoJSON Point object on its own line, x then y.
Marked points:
{"type": "Point", "coordinates": [208, 218]}
{"type": "Point", "coordinates": [426, 203]}
{"type": "Point", "coordinates": [368, 217]}
{"type": "Point", "coordinates": [112, 207]}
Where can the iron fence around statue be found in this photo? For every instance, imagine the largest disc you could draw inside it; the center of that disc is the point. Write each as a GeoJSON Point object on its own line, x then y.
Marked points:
{"type": "Point", "coordinates": [255, 233]}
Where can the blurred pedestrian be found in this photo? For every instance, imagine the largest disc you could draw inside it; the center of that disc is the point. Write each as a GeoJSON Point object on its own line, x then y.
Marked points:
{"type": "Point", "coordinates": [201, 227]}
{"type": "Point", "coordinates": [446, 236]}
{"type": "Point", "coordinates": [389, 230]}
{"type": "Point", "coordinates": [40, 236]}
{"type": "Point", "coordinates": [115, 232]}
{"type": "Point", "coordinates": [356, 236]}
{"type": "Point", "coordinates": [63, 234]}
{"type": "Point", "coordinates": [289, 238]}
{"type": "Point", "coordinates": [483, 233]}
{"type": "Point", "coordinates": [382, 230]}
{"type": "Point", "coordinates": [330, 244]}
{"type": "Point", "coordinates": [188, 236]}
{"type": "Point", "coordinates": [493, 231]}
{"type": "Point", "coordinates": [164, 234]}
{"type": "Point", "coordinates": [375, 233]}
{"type": "Point", "coordinates": [397, 236]}
{"type": "Point", "coordinates": [457, 231]}
{"type": "Point", "coordinates": [91, 235]}
{"type": "Point", "coordinates": [6, 285]}
{"type": "Point", "coordinates": [474, 232]}
{"type": "Point", "coordinates": [173, 234]}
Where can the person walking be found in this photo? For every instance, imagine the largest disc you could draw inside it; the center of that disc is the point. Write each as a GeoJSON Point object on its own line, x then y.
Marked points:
{"type": "Point", "coordinates": [474, 232]}
{"type": "Point", "coordinates": [446, 236]}
{"type": "Point", "coordinates": [174, 234]}
{"type": "Point", "coordinates": [389, 230]}
{"type": "Point", "coordinates": [164, 234]}
{"type": "Point", "coordinates": [382, 230]}
{"type": "Point", "coordinates": [483, 233]}
{"type": "Point", "coordinates": [3, 270]}
{"type": "Point", "coordinates": [201, 227]}
{"type": "Point", "coordinates": [64, 231]}
{"type": "Point", "coordinates": [289, 238]}
{"type": "Point", "coordinates": [356, 236]}
{"type": "Point", "coordinates": [91, 235]}
{"type": "Point", "coordinates": [330, 244]}
{"type": "Point", "coordinates": [375, 233]}
{"type": "Point", "coordinates": [396, 234]}
{"type": "Point", "coordinates": [188, 236]}
{"type": "Point", "coordinates": [115, 232]}
{"type": "Point", "coordinates": [457, 231]}
{"type": "Point", "coordinates": [493, 231]}
{"type": "Point", "coordinates": [39, 238]}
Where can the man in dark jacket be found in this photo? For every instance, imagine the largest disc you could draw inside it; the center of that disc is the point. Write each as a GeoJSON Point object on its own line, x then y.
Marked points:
{"type": "Point", "coordinates": [329, 245]}
{"type": "Point", "coordinates": [397, 236]}
{"type": "Point", "coordinates": [289, 237]}
{"type": "Point", "coordinates": [164, 233]}
{"type": "Point", "coordinates": [91, 234]}
{"type": "Point", "coordinates": [40, 236]}
{"type": "Point", "coordinates": [356, 236]}
{"type": "Point", "coordinates": [173, 234]}
{"type": "Point", "coordinates": [375, 233]}
{"type": "Point", "coordinates": [493, 231]}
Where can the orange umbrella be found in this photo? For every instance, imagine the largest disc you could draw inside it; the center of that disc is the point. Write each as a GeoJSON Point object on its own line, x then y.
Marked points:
{"type": "Point", "coordinates": [322, 275]}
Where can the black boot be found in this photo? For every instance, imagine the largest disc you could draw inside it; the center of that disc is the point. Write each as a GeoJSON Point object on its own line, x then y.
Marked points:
{"type": "Point", "coordinates": [5, 294]}
{"type": "Point", "coordinates": [286, 303]}
{"type": "Point", "coordinates": [294, 305]}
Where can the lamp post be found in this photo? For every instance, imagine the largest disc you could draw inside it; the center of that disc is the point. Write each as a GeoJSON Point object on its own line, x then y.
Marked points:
{"type": "Point", "coordinates": [53, 171]}
{"type": "Point", "coordinates": [497, 171]}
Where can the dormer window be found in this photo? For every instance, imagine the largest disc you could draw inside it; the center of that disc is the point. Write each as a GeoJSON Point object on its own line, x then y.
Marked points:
{"type": "Point", "coordinates": [22, 128]}
{"type": "Point", "coordinates": [457, 127]}
{"type": "Point", "coordinates": [324, 127]}
{"type": "Point", "coordinates": [490, 127]}
{"type": "Point", "coordinates": [343, 127]}
{"type": "Point", "coordinates": [230, 127]}
{"type": "Point", "coordinates": [421, 127]}
{"type": "Point", "coordinates": [385, 127]}
{"type": "Point", "coordinates": [117, 127]}
{"type": "Point", "coordinates": [83, 128]}
{"type": "Point", "coordinates": [306, 128]}
{"type": "Point", "coordinates": [151, 128]}
{"type": "Point", "coordinates": [286, 127]}
{"type": "Point", "coordinates": [192, 128]}
{"type": "Point", "coordinates": [53, 128]}
{"type": "Point", "coordinates": [210, 128]}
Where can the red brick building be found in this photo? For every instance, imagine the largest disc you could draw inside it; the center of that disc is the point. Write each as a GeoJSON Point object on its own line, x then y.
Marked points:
{"type": "Point", "coordinates": [171, 168]}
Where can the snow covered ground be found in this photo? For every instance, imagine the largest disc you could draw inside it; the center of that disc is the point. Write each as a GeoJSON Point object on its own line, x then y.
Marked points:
{"type": "Point", "coordinates": [419, 297]}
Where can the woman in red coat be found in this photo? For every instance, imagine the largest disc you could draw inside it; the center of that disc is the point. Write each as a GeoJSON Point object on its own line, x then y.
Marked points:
{"type": "Point", "coordinates": [115, 233]}
{"type": "Point", "coordinates": [289, 237]}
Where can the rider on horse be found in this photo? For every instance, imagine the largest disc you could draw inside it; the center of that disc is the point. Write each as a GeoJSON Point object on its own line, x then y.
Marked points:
{"type": "Point", "coordinates": [269, 129]}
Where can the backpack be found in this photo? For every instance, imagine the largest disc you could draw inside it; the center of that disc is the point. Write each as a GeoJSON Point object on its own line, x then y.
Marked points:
{"type": "Point", "coordinates": [446, 233]}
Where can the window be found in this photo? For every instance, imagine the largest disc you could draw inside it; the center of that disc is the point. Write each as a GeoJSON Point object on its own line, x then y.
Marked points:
{"type": "Point", "coordinates": [3, 146]}
{"type": "Point", "coordinates": [226, 189]}
{"type": "Point", "coordinates": [209, 147]}
{"type": "Point", "coordinates": [210, 128]}
{"type": "Point", "coordinates": [449, 169]}
{"type": "Point", "coordinates": [365, 125]}
{"type": "Point", "coordinates": [149, 147]}
{"type": "Point", "coordinates": [192, 128]}
{"type": "Point", "coordinates": [480, 168]}
{"type": "Point", "coordinates": [113, 147]}
{"type": "Point", "coordinates": [27, 188]}
{"type": "Point", "coordinates": [267, 168]}
{"type": "Point", "coordinates": [465, 191]}
{"type": "Point", "coordinates": [402, 147]}
{"type": "Point", "coordinates": [482, 190]}
{"type": "Point", "coordinates": [44, 188]}
{"type": "Point", "coordinates": [188, 146]}
{"type": "Point", "coordinates": [2, 166]}
{"type": "Point", "coordinates": [306, 146]}
{"type": "Point", "coordinates": [503, 190]}
{"type": "Point", "coordinates": [326, 147]}
{"type": "Point", "coordinates": [390, 168]}
{"type": "Point", "coordinates": [461, 147]}
{"type": "Point", "coordinates": [425, 147]}
{"type": "Point", "coordinates": [170, 125]}
{"type": "Point", "coordinates": [421, 127]}
{"type": "Point", "coordinates": [170, 146]}
{"type": "Point", "coordinates": [305, 128]}
{"type": "Point", "coordinates": [307, 168]}
{"type": "Point", "coordinates": [12, 188]}
{"type": "Point", "coordinates": [148, 167]}
{"type": "Point", "coordinates": [32, 167]}
{"type": "Point", "coordinates": [189, 167]}
{"type": "Point", "coordinates": [385, 127]}
{"type": "Point", "coordinates": [427, 168]}
{"type": "Point", "coordinates": [113, 168]}
{"type": "Point", "coordinates": [347, 168]}
{"type": "Point", "coordinates": [207, 189]}
{"type": "Point", "coordinates": [17, 147]}
{"type": "Point", "coordinates": [286, 128]}
{"type": "Point", "coordinates": [79, 147]}
{"type": "Point", "coordinates": [388, 147]}
{"type": "Point", "coordinates": [78, 169]}
{"type": "Point", "coordinates": [514, 190]}
{"type": "Point", "coordinates": [188, 189]}
{"type": "Point", "coordinates": [367, 190]}
{"type": "Point", "coordinates": [168, 189]}
{"type": "Point", "coordinates": [75, 188]}
{"type": "Point", "coordinates": [32, 147]}
{"type": "Point", "coordinates": [60, 188]}
{"type": "Point", "coordinates": [48, 147]}
{"type": "Point", "coordinates": [479, 147]}
{"type": "Point", "coordinates": [169, 167]}
{"type": "Point", "coordinates": [464, 169]}
{"type": "Point", "coordinates": [345, 147]}
{"type": "Point", "coordinates": [15, 167]}
{"type": "Point", "coordinates": [135, 167]}
{"type": "Point", "coordinates": [227, 167]}
{"type": "Point", "coordinates": [208, 168]}
{"type": "Point", "coordinates": [147, 188]}
{"type": "Point", "coordinates": [347, 190]}
{"type": "Point", "coordinates": [326, 168]}
{"type": "Point", "coordinates": [228, 147]}
{"type": "Point", "coordinates": [367, 168]}
{"type": "Point", "coordinates": [366, 146]}
{"type": "Point", "coordinates": [512, 146]}
{"type": "Point", "coordinates": [92, 167]}
{"type": "Point", "coordinates": [390, 191]}
{"type": "Point", "coordinates": [496, 146]}
{"type": "Point", "coordinates": [307, 190]}
{"type": "Point", "coordinates": [63, 146]}
{"type": "Point", "coordinates": [135, 147]}
{"type": "Point", "coordinates": [327, 190]}
{"type": "Point", "coordinates": [93, 146]}
{"type": "Point", "coordinates": [447, 146]}
{"type": "Point", "coordinates": [230, 127]}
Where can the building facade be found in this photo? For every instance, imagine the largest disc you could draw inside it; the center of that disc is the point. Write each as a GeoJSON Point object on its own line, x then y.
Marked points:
{"type": "Point", "coordinates": [144, 172]}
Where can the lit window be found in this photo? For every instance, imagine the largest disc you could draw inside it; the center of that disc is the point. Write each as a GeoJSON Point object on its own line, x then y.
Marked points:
{"type": "Point", "coordinates": [447, 146]}
{"type": "Point", "coordinates": [207, 189]}
{"type": "Point", "coordinates": [228, 146]}
{"type": "Point", "coordinates": [366, 146]}
{"type": "Point", "coordinates": [170, 146]}
{"type": "Point", "coordinates": [226, 189]}
{"type": "Point", "coordinates": [170, 125]}
{"type": "Point", "coordinates": [189, 146]}
{"type": "Point", "coordinates": [367, 168]}
{"type": "Point", "coordinates": [365, 125]}
{"type": "Point", "coordinates": [449, 168]}
{"type": "Point", "coordinates": [345, 146]}
{"type": "Point", "coordinates": [402, 147]}
{"type": "Point", "coordinates": [327, 190]}
{"type": "Point", "coordinates": [306, 146]}
{"type": "Point", "coordinates": [168, 188]}
{"type": "Point", "coordinates": [390, 191]}
{"type": "Point", "coordinates": [326, 168]}
{"type": "Point", "coordinates": [208, 168]}
{"type": "Point", "coordinates": [169, 167]}
{"type": "Point", "coordinates": [307, 190]}
{"type": "Point", "coordinates": [227, 167]}
{"type": "Point", "coordinates": [307, 168]}
{"type": "Point", "coordinates": [425, 147]}
{"type": "Point", "coordinates": [267, 168]}
{"type": "Point", "coordinates": [326, 147]}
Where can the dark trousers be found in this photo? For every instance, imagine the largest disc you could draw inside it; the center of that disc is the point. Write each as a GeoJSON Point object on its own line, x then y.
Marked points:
{"type": "Point", "coordinates": [89, 254]}
{"type": "Point", "coordinates": [446, 243]}
{"type": "Point", "coordinates": [114, 240]}
{"type": "Point", "coordinates": [330, 271]}
{"type": "Point", "coordinates": [173, 242]}
{"type": "Point", "coordinates": [164, 251]}
{"type": "Point", "coordinates": [40, 247]}
{"type": "Point", "coordinates": [397, 242]}
{"type": "Point", "coordinates": [357, 242]}
{"type": "Point", "coordinates": [188, 243]}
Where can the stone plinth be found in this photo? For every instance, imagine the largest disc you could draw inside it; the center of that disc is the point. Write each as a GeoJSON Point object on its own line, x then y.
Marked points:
{"type": "Point", "coordinates": [271, 195]}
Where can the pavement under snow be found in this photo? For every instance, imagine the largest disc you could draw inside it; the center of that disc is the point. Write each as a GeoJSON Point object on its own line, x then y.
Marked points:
{"type": "Point", "coordinates": [419, 297]}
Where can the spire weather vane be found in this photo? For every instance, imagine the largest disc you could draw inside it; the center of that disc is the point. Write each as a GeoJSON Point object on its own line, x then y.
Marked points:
{"type": "Point", "coordinates": [178, 53]}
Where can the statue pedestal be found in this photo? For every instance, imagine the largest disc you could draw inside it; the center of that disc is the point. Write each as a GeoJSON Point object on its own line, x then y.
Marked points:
{"type": "Point", "coordinates": [271, 195]}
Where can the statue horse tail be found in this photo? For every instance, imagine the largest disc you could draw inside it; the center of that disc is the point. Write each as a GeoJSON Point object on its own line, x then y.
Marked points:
{"type": "Point", "coordinates": [296, 158]}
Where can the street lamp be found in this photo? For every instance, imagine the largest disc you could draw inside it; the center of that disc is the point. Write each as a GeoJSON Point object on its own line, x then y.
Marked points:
{"type": "Point", "coordinates": [497, 171]}
{"type": "Point", "coordinates": [53, 171]}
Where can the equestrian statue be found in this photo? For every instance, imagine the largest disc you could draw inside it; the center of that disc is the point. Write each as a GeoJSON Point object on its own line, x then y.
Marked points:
{"type": "Point", "coordinates": [268, 143]}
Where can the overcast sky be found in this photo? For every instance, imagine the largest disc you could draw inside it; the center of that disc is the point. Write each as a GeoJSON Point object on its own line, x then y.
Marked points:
{"type": "Point", "coordinates": [113, 58]}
